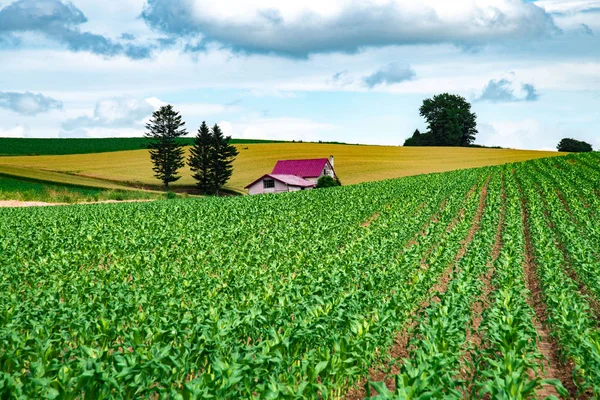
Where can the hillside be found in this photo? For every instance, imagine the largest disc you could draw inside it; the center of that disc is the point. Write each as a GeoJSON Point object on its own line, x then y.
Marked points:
{"type": "Point", "coordinates": [432, 283]}
{"type": "Point", "coordinates": [353, 163]}
{"type": "Point", "coordinates": [51, 146]}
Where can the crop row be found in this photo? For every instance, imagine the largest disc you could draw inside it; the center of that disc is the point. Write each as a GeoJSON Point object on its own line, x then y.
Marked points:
{"type": "Point", "coordinates": [301, 295]}
{"type": "Point", "coordinates": [569, 313]}
{"type": "Point", "coordinates": [275, 296]}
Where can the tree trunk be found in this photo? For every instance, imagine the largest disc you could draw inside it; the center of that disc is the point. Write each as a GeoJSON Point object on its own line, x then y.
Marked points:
{"type": "Point", "coordinates": [167, 187]}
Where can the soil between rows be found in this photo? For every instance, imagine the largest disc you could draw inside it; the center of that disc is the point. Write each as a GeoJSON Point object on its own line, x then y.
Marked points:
{"type": "Point", "coordinates": [400, 350]}
{"type": "Point", "coordinates": [553, 367]}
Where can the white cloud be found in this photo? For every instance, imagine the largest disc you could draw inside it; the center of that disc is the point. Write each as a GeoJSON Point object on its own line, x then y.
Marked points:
{"type": "Point", "coordinates": [568, 6]}
{"type": "Point", "coordinates": [507, 90]}
{"type": "Point", "coordinates": [127, 116]}
{"type": "Point", "coordinates": [112, 113]}
{"type": "Point", "coordinates": [28, 103]}
{"type": "Point", "coordinates": [283, 128]}
{"type": "Point", "coordinates": [308, 27]}
{"type": "Point", "coordinates": [389, 74]}
{"type": "Point", "coordinates": [519, 134]}
{"type": "Point", "coordinates": [18, 131]}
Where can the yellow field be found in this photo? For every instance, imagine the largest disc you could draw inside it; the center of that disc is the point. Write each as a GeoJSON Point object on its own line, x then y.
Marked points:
{"type": "Point", "coordinates": [353, 163]}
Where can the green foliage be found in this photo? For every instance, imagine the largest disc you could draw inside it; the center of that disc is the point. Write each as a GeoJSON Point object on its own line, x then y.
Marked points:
{"type": "Point", "coordinates": [222, 155]}
{"type": "Point", "coordinates": [294, 296]}
{"type": "Point", "coordinates": [423, 139]}
{"type": "Point", "coordinates": [26, 190]}
{"type": "Point", "coordinates": [327, 181]}
{"type": "Point", "coordinates": [166, 151]}
{"type": "Point", "coordinates": [31, 146]}
{"type": "Point", "coordinates": [450, 122]}
{"type": "Point", "coordinates": [574, 146]}
{"type": "Point", "coordinates": [211, 159]}
{"type": "Point", "coordinates": [200, 160]}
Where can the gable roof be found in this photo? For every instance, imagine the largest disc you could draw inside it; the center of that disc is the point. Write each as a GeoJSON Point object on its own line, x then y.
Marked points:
{"type": "Point", "coordinates": [304, 168]}
{"type": "Point", "coordinates": [291, 180]}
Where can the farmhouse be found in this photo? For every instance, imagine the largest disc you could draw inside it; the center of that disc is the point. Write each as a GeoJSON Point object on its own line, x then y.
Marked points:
{"type": "Point", "coordinates": [293, 175]}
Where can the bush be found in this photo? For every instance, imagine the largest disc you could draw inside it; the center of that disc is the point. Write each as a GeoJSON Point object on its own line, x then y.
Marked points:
{"type": "Point", "coordinates": [327, 181]}
{"type": "Point", "coordinates": [420, 139]}
{"type": "Point", "coordinates": [574, 146]}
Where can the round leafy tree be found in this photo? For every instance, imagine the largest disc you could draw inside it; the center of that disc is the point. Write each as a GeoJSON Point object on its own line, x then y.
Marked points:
{"type": "Point", "coordinates": [450, 122]}
{"type": "Point", "coordinates": [574, 146]}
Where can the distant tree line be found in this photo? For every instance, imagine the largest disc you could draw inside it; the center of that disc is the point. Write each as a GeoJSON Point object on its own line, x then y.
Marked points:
{"type": "Point", "coordinates": [211, 156]}
{"type": "Point", "coordinates": [450, 122]}
{"type": "Point", "coordinates": [574, 146]}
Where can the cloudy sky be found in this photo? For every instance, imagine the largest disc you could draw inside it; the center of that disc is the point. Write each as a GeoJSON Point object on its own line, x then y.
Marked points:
{"type": "Point", "coordinates": [345, 70]}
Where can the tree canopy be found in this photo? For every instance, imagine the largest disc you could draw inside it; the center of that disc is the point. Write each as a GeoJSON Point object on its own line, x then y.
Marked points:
{"type": "Point", "coordinates": [450, 122]}
{"type": "Point", "coordinates": [574, 146]}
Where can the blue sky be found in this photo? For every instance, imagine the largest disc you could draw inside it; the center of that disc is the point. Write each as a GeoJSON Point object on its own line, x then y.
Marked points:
{"type": "Point", "coordinates": [338, 70]}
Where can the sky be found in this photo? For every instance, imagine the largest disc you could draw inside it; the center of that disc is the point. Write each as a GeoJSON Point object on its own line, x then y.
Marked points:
{"type": "Point", "coordinates": [335, 70]}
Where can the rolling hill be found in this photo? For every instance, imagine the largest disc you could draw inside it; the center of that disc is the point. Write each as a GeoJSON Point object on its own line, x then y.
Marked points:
{"type": "Point", "coordinates": [353, 163]}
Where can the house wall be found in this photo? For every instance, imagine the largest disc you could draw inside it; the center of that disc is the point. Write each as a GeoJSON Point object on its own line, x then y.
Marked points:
{"type": "Point", "coordinates": [258, 188]}
{"type": "Point", "coordinates": [326, 171]}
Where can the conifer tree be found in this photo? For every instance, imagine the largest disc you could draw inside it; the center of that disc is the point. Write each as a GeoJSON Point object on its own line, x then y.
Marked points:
{"type": "Point", "coordinates": [222, 158]}
{"type": "Point", "coordinates": [166, 151]}
{"type": "Point", "coordinates": [200, 160]}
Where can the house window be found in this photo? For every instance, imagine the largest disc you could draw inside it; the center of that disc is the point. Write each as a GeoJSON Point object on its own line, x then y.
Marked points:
{"type": "Point", "coordinates": [268, 183]}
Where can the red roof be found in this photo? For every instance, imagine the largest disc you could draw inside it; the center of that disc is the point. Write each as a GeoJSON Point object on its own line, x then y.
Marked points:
{"type": "Point", "coordinates": [291, 180]}
{"type": "Point", "coordinates": [302, 168]}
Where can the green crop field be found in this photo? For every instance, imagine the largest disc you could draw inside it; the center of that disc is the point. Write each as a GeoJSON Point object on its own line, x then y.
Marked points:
{"type": "Point", "coordinates": [353, 163]}
{"type": "Point", "coordinates": [35, 146]}
{"type": "Point", "coordinates": [24, 190]}
{"type": "Point", "coordinates": [475, 283]}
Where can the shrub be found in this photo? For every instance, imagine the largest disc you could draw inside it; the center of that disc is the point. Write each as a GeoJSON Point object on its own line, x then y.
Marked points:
{"type": "Point", "coordinates": [327, 181]}
{"type": "Point", "coordinates": [574, 146]}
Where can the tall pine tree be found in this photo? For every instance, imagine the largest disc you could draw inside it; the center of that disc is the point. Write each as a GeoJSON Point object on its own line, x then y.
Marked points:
{"type": "Point", "coordinates": [223, 154]}
{"type": "Point", "coordinates": [166, 151]}
{"type": "Point", "coordinates": [200, 160]}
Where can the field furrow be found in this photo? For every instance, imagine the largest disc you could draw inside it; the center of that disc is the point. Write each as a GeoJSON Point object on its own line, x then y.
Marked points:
{"type": "Point", "coordinates": [479, 283]}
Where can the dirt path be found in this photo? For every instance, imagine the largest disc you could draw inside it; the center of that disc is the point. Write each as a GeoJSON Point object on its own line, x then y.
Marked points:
{"type": "Point", "coordinates": [553, 368]}
{"type": "Point", "coordinates": [17, 203]}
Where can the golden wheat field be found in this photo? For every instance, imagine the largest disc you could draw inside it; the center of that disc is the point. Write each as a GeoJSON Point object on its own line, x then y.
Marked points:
{"type": "Point", "coordinates": [353, 163]}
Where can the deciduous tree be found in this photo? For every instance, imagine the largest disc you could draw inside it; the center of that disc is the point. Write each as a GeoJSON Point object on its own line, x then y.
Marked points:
{"type": "Point", "coordinates": [450, 121]}
{"type": "Point", "coordinates": [574, 146]}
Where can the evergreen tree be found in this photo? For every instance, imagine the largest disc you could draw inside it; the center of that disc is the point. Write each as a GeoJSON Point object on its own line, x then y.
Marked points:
{"type": "Point", "coordinates": [200, 160]}
{"type": "Point", "coordinates": [222, 158]}
{"type": "Point", "coordinates": [166, 151]}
